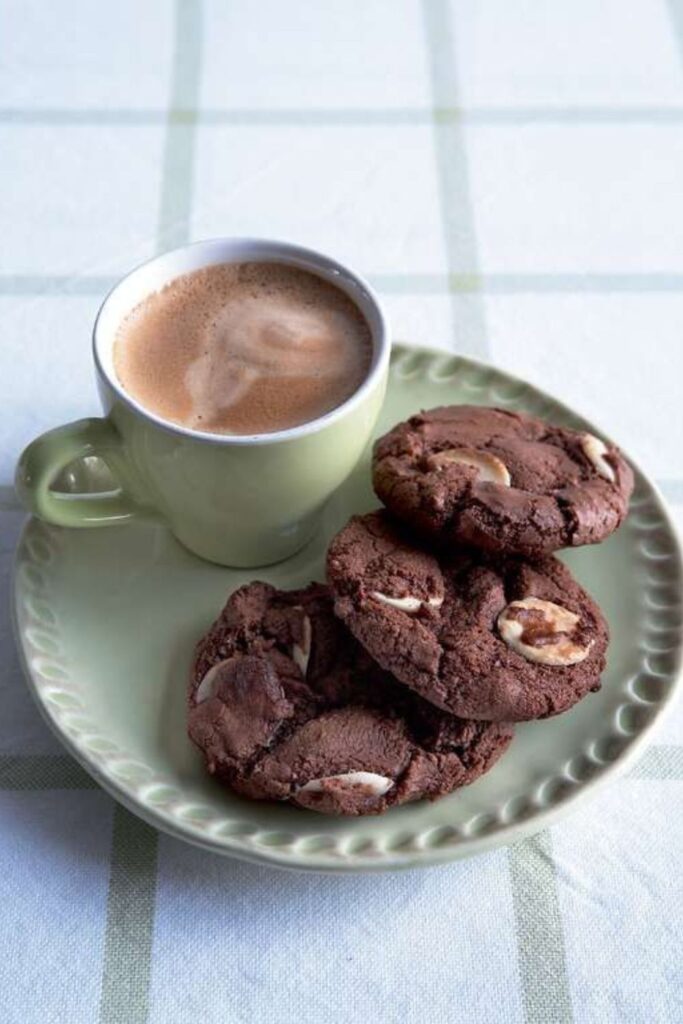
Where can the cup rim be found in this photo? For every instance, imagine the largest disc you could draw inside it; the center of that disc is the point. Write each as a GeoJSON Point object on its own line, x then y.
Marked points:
{"type": "Point", "coordinates": [318, 261]}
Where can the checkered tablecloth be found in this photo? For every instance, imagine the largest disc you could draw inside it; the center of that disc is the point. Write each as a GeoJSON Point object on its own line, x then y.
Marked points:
{"type": "Point", "coordinates": [509, 173]}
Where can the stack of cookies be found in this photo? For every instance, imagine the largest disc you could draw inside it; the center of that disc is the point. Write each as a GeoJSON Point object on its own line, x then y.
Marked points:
{"type": "Point", "coordinates": [445, 620]}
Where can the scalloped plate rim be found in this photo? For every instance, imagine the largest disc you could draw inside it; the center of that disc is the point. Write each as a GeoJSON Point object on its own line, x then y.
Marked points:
{"type": "Point", "coordinates": [327, 861]}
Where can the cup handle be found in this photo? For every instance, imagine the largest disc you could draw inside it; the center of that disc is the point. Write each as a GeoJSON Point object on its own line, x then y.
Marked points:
{"type": "Point", "coordinates": [52, 452]}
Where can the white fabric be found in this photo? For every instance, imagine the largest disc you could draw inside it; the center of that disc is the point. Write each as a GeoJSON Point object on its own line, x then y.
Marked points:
{"type": "Point", "coordinates": [549, 181]}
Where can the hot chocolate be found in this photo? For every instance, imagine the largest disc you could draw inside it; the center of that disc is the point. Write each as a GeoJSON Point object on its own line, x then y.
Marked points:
{"type": "Point", "coordinates": [243, 348]}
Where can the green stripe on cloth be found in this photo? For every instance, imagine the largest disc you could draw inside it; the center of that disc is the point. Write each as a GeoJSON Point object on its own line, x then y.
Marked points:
{"type": "Point", "coordinates": [540, 938]}
{"type": "Point", "coordinates": [39, 772]}
{"type": "Point", "coordinates": [84, 116]}
{"type": "Point", "coordinates": [132, 884]}
{"type": "Point", "coordinates": [54, 284]}
{"type": "Point", "coordinates": [130, 921]}
{"type": "Point", "coordinates": [510, 283]}
{"type": "Point", "coordinates": [399, 283]}
{"type": "Point", "coordinates": [467, 310]}
{"type": "Point", "coordinates": [181, 127]}
{"type": "Point", "coordinates": [676, 16]}
{"type": "Point", "coordinates": [335, 117]}
{"type": "Point", "coordinates": [573, 115]}
{"type": "Point", "coordinates": [513, 284]}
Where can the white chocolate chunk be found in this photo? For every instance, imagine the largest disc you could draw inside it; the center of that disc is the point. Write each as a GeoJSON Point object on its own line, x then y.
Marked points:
{"type": "Point", "coordinates": [555, 621]}
{"type": "Point", "coordinates": [405, 604]}
{"type": "Point", "coordinates": [408, 603]}
{"type": "Point", "coordinates": [490, 469]}
{"type": "Point", "coordinates": [371, 783]}
{"type": "Point", "coordinates": [207, 687]}
{"type": "Point", "coordinates": [301, 653]}
{"type": "Point", "coordinates": [595, 451]}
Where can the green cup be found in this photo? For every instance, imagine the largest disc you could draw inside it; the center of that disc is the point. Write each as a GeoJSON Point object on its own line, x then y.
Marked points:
{"type": "Point", "coordinates": [236, 500]}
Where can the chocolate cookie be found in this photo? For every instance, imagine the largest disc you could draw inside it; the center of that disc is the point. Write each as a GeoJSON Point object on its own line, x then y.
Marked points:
{"type": "Point", "coordinates": [501, 481]}
{"type": "Point", "coordinates": [482, 636]}
{"type": "Point", "coordinates": [285, 705]}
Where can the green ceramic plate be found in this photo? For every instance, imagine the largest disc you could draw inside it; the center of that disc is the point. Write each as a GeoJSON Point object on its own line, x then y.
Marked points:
{"type": "Point", "coordinates": [107, 620]}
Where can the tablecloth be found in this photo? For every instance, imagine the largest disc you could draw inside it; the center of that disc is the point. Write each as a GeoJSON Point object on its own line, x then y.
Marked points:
{"type": "Point", "coordinates": [509, 175]}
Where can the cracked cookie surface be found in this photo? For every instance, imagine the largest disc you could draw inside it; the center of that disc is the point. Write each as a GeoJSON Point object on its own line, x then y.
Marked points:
{"type": "Point", "coordinates": [501, 481]}
{"type": "Point", "coordinates": [285, 705]}
{"type": "Point", "coordinates": [505, 640]}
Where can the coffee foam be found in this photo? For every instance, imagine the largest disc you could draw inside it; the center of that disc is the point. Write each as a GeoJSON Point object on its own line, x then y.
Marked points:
{"type": "Point", "coordinates": [243, 348]}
